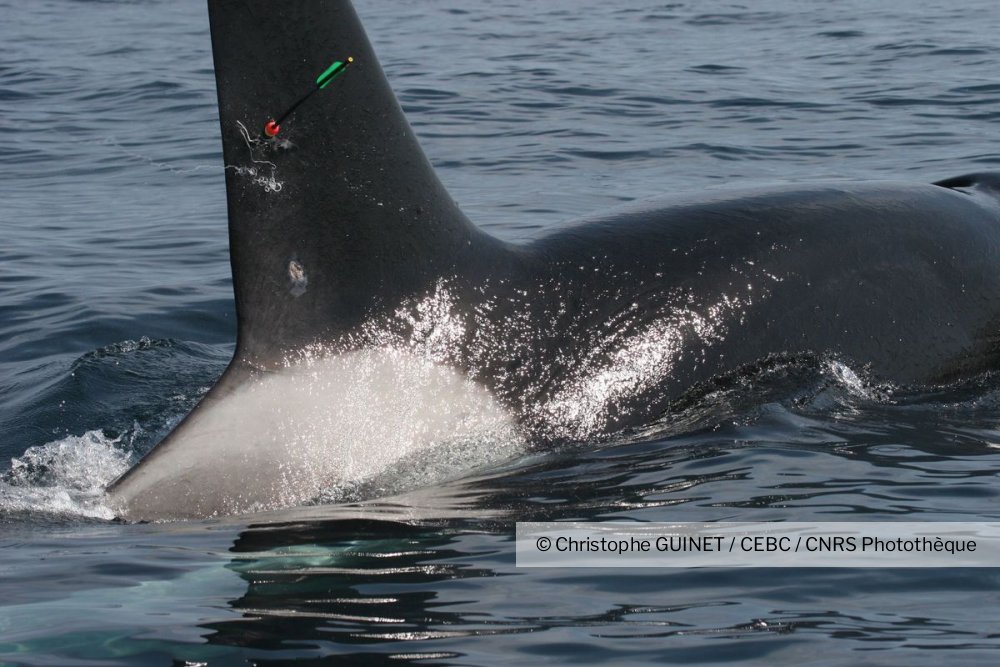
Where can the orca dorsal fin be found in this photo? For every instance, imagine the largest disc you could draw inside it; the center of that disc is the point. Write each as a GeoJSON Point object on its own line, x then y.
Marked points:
{"type": "Point", "coordinates": [341, 209]}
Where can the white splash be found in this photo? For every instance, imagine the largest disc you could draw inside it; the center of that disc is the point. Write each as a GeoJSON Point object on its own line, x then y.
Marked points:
{"type": "Point", "coordinates": [633, 364]}
{"type": "Point", "coordinates": [66, 476]}
{"type": "Point", "coordinates": [437, 330]}
{"type": "Point", "coordinates": [581, 397]}
{"type": "Point", "coordinates": [847, 378]}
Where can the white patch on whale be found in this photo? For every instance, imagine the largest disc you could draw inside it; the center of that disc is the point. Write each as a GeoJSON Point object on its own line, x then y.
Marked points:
{"type": "Point", "coordinates": [297, 434]}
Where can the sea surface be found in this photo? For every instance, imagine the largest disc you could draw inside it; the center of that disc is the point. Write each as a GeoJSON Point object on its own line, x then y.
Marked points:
{"type": "Point", "coordinates": [116, 315]}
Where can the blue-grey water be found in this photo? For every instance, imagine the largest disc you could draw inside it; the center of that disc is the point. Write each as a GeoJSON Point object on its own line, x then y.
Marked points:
{"type": "Point", "coordinates": [116, 315]}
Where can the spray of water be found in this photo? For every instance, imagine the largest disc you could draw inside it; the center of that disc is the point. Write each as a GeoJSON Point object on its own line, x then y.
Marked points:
{"type": "Point", "coordinates": [383, 410]}
{"type": "Point", "coordinates": [65, 477]}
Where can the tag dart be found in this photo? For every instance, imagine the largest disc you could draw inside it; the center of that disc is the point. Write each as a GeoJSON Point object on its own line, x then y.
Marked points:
{"type": "Point", "coordinates": [272, 127]}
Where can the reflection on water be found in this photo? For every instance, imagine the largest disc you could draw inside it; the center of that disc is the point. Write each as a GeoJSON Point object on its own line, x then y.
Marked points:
{"type": "Point", "coordinates": [358, 580]}
{"type": "Point", "coordinates": [352, 582]}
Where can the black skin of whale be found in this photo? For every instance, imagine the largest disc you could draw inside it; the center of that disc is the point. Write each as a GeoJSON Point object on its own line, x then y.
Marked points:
{"type": "Point", "coordinates": [899, 278]}
{"type": "Point", "coordinates": [902, 280]}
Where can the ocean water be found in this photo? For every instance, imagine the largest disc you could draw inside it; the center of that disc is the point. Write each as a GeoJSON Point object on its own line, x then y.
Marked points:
{"type": "Point", "coordinates": [116, 316]}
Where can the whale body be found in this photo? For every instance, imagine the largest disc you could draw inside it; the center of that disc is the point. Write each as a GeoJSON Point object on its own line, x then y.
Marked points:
{"type": "Point", "coordinates": [376, 322]}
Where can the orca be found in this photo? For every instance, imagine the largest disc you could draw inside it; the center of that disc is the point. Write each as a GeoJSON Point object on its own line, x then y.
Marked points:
{"type": "Point", "coordinates": [376, 322]}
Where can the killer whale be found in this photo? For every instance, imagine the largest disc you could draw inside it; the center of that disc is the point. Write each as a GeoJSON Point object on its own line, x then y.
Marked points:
{"type": "Point", "coordinates": [371, 309]}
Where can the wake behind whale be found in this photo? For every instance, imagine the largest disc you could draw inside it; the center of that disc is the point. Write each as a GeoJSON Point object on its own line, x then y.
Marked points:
{"type": "Point", "coordinates": [363, 293]}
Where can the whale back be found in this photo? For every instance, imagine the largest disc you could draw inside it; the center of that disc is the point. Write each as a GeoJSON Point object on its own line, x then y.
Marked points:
{"type": "Point", "coordinates": [430, 334]}
{"type": "Point", "coordinates": [341, 210]}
